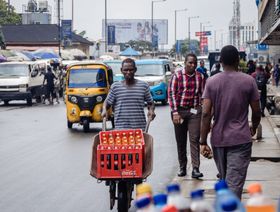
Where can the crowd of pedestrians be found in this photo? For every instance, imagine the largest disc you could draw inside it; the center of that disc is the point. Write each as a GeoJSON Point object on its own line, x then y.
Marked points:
{"type": "Point", "coordinates": [201, 104]}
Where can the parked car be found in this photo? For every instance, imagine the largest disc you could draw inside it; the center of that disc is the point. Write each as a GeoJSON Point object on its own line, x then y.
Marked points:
{"type": "Point", "coordinates": [116, 68]}
{"type": "Point", "coordinates": [22, 81]}
{"type": "Point", "coordinates": [157, 73]}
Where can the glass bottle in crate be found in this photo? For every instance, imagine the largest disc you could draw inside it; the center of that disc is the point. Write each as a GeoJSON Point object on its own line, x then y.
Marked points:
{"type": "Point", "coordinates": [118, 140]}
{"type": "Point", "coordinates": [124, 139]}
{"type": "Point", "coordinates": [138, 139]}
{"type": "Point", "coordinates": [111, 139]}
{"type": "Point", "coordinates": [104, 140]}
{"type": "Point", "coordinates": [131, 139]}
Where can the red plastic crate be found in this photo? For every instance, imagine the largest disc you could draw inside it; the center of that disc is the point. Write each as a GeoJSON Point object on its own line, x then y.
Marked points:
{"type": "Point", "coordinates": [120, 161]}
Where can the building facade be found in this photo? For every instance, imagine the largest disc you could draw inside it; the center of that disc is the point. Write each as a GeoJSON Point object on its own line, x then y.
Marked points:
{"type": "Point", "coordinates": [269, 27]}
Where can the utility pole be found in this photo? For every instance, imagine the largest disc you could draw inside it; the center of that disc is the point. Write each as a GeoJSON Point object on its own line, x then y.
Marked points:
{"type": "Point", "coordinates": [72, 15]}
{"type": "Point", "coordinates": [59, 30]}
{"type": "Point", "coordinates": [105, 26]}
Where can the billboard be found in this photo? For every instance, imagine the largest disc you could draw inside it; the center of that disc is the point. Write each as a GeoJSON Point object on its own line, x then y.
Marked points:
{"type": "Point", "coordinates": [138, 29]}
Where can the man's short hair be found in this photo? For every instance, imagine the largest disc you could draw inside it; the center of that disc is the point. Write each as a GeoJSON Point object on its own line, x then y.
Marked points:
{"type": "Point", "coordinates": [129, 60]}
{"type": "Point", "coordinates": [229, 55]}
{"type": "Point", "coordinates": [190, 55]}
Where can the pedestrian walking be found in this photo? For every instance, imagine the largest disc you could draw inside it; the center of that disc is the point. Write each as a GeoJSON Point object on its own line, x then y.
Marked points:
{"type": "Point", "coordinates": [128, 99]}
{"type": "Point", "coordinates": [227, 97]}
{"type": "Point", "coordinates": [251, 67]}
{"type": "Point", "coordinates": [201, 69]}
{"type": "Point", "coordinates": [185, 91]}
{"type": "Point", "coordinates": [276, 74]}
{"type": "Point", "coordinates": [261, 78]}
{"type": "Point", "coordinates": [49, 77]}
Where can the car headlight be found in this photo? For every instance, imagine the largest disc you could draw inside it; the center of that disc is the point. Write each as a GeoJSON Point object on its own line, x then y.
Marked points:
{"type": "Point", "coordinates": [23, 88]}
{"type": "Point", "coordinates": [73, 99]}
{"type": "Point", "coordinates": [99, 98]}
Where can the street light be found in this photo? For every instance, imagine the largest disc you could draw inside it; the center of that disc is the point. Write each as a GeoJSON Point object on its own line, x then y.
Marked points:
{"type": "Point", "coordinates": [176, 26]}
{"type": "Point", "coordinates": [105, 26]}
{"type": "Point", "coordinates": [189, 26]}
{"type": "Point", "coordinates": [154, 1]}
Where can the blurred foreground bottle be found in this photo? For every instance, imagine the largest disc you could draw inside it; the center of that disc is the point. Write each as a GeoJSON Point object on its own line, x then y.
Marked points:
{"type": "Point", "coordinates": [226, 200]}
{"type": "Point", "coordinates": [198, 203]}
{"type": "Point", "coordinates": [144, 204]}
{"type": "Point", "coordinates": [144, 189]}
{"type": "Point", "coordinates": [160, 200]}
{"type": "Point", "coordinates": [257, 201]}
{"type": "Point", "coordinates": [175, 198]}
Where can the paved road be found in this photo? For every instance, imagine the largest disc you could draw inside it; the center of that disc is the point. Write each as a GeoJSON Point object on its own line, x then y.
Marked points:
{"type": "Point", "coordinates": [45, 167]}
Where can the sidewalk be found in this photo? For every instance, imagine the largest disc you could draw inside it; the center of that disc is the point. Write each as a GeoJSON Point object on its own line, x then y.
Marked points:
{"type": "Point", "coordinates": [262, 169]}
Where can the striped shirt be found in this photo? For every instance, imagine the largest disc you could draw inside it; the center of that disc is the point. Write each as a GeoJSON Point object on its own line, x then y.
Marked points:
{"type": "Point", "coordinates": [185, 90]}
{"type": "Point", "coordinates": [129, 103]}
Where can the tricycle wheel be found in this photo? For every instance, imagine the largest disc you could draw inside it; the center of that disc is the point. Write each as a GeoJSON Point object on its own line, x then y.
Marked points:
{"type": "Point", "coordinates": [86, 125]}
{"type": "Point", "coordinates": [124, 196]}
{"type": "Point", "coordinates": [69, 124]}
{"type": "Point", "coordinates": [112, 194]}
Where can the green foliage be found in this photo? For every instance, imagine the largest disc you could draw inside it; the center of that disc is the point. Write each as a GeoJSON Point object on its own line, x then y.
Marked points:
{"type": "Point", "coordinates": [8, 15]}
{"type": "Point", "coordinates": [185, 48]}
{"type": "Point", "coordinates": [137, 45]}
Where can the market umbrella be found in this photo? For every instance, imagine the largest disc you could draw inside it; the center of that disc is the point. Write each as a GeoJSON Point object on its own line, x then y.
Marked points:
{"type": "Point", "coordinates": [130, 52]}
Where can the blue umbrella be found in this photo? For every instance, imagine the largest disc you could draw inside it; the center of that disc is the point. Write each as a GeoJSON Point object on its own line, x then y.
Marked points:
{"type": "Point", "coordinates": [28, 54]}
{"type": "Point", "coordinates": [46, 55]}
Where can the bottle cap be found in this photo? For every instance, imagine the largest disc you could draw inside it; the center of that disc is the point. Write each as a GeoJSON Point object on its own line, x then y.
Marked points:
{"type": "Point", "coordinates": [229, 205]}
{"type": "Point", "coordinates": [169, 208]}
{"type": "Point", "coordinates": [160, 199]}
{"type": "Point", "coordinates": [254, 188]}
{"type": "Point", "coordinates": [143, 188]}
{"type": "Point", "coordinates": [142, 202]}
{"type": "Point", "coordinates": [173, 187]}
{"type": "Point", "coordinates": [197, 194]}
{"type": "Point", "coordinates": [222, 184]}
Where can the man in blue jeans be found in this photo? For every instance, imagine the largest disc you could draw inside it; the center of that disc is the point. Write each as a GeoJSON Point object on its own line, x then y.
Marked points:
{"type": "Point", "coordinates": [227, 97]}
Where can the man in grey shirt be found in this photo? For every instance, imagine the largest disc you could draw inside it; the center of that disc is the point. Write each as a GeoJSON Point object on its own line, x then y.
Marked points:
{"type": "Point", "coordinates": [128, 99]}
{"type": "Point", "coordinates": [227, 97]}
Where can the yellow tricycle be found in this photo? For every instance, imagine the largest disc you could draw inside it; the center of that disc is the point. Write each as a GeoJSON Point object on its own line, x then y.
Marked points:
{"type": "Point", "coordinates": [87, 85]}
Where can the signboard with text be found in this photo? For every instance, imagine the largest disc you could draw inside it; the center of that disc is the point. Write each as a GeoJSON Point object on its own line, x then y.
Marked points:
{"type": "Point", "coordinates": [204, 33]}
{"type": "Point", "coordinates": [139, 30]}
{"type": "Point", "coordinates": [111, 35]}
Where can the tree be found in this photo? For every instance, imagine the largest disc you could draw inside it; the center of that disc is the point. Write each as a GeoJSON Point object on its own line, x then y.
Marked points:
{"type": "Point", "coordinates": [8, 14]}
{"type": "Point", "coordinates": [137, 45]}
{"type": "Point", "coordinates": [185, 48]}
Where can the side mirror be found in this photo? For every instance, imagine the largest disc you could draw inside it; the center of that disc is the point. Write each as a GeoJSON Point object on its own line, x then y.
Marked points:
{"type": "Point", "coordinates": [34, 73]}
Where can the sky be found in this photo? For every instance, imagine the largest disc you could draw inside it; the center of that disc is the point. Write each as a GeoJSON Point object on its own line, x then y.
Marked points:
{"type": "Point", "coordinates": [214, 14]}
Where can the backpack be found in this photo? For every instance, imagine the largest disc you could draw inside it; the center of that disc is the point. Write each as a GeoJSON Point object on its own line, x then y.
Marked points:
{"type": "Point", "coordinates": [261, 80]}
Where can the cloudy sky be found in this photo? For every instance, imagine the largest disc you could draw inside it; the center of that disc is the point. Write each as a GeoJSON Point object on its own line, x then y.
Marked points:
{"type": "Point", "coordinates": [88, 14]}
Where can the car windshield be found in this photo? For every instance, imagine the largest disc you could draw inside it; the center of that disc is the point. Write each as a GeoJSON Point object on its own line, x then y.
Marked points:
{"type": "Point", "coordinates": [116, 67]}
{"type": "Point", "coordinates": [149, 70]}
{"type": "Point", "coordinates": [20, 70]}
{"type": "Point", "coordinates": [84, 78]}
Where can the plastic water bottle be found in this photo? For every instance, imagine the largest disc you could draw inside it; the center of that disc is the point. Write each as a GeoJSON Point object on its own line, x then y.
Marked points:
{"type": "Point", "coordinates": [169, 208]}
{"type": "Point", "coordinates": [175, 198]}
{"type": "Point", "coordinates": [198, 204]}
{"type": "Point", "coordinates": [257, 201]}
{"type": "Point", "coordinates": [144, 204]}
{"type": "Point", "coordinates": [224, 196]}
{"type": "Point", "coordinates": [160, 200]}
